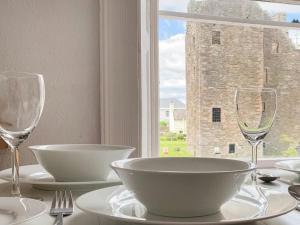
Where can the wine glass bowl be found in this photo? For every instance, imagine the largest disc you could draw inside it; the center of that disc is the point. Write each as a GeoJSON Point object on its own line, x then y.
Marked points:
{"type": "Point", "coordinates": [256, 109]}
{"type": "Point", "coordinates": [22, 97]}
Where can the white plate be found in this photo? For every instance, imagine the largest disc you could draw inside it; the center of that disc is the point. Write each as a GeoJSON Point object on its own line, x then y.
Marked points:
{"type": "Point", "coordinates": [41, 179]}
{"type": "Point", "coordinates": [15, 210]}
{"type": "Point", "coordinates": [116, 205]}
{"type": "Point", "coordinates": [292, 165]}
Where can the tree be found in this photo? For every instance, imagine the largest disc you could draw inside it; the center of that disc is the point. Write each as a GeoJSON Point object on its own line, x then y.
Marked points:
{"type": "Point", "coordinates": [295, 21]}
{"type": "Point", "coordinates": [164, 126]}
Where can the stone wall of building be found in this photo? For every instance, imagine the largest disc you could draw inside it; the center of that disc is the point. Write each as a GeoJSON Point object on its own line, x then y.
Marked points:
{"type": "Point", "coordinates": [244, 57]}
{"type": "Point", "coordinates": [283, 68]}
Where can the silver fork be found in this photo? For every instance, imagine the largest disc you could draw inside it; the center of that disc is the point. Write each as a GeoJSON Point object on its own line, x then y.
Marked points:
{"type": "Point", "coordinates": [61, 206]}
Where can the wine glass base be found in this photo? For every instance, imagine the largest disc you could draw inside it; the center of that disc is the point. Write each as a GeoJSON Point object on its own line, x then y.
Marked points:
{"type": "Point", "coordinates": [27, 196]}
{"type": "Point", "coordinates": [14, 210]}
{"type": "Point", "coordinates": [35, 197]}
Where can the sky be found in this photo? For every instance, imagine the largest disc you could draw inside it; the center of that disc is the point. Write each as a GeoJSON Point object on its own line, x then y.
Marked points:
{"type": "Point", "coordinates": [172, 45]}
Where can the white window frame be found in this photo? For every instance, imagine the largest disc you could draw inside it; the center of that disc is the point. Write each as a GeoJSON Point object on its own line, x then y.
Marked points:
{"type": "Point", "coordinates": [130, 115]}
{"type": "Point", "coordinates": [226, 20]}
{"type": "Point", "coordinates": [150, 91]}
{"type": "Point", "coordinates": [149, 79]}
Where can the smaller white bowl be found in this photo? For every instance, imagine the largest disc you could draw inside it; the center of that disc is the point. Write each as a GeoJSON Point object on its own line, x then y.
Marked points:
{"type": "Point", "coordinates": [79, 162]}
{"type": "Point", "coordinates": [182, 187]}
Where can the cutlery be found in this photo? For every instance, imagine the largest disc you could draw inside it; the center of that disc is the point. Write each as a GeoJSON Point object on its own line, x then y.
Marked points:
{"type": "Point", "coordinates": [294, 190]}
{"type": "Point", "coordinates": [267, 178]}
{"type": "Point", "coordinates": [62, 205]}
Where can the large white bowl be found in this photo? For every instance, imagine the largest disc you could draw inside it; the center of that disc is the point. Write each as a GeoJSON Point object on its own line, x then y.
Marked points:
{"type": "Point", "coordinates": [79, 162]}
{"type": "Point", "coordinates": [183, 187]}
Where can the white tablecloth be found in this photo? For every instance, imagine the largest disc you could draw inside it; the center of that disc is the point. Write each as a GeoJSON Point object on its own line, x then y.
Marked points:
{"type": "Point", "coordinates": [81, 218]}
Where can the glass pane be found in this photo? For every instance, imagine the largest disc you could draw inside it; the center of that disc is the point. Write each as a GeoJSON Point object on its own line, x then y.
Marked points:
{"type": "Point", "coordinates": [197, 75]}
{"type": "Point", "coordinates": [172, 89]}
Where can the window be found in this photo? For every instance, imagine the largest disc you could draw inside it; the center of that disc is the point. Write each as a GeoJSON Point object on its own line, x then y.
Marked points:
{"type": "Point", "coordinates": [266, 75]}
{"type": "Point", "coordinates": [275, 47]}
{"type": "Point", "coordinates": [231, 148]}
{"type": "Point", "coordinates": [216, 114]}
{"type": "Point", "coordinates": [258, 48]}
{"type": "Point", "coordinates": [167, 113]}
{"type": "Point", "coordinates": [295, 37]}
{"type": "Point", "coordinates": [216, 37]}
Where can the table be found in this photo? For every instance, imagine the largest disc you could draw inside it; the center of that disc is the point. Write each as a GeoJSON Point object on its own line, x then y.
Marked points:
{"type": "Point", "coordinates": [81, 218]}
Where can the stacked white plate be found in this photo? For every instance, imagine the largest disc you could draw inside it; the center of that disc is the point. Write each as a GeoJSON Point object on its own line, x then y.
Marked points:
{"type": "Point", "coordinates": [184, 191]}
{"type": "Point", "coordinates": [117, 206]}
{"type": "Point", "coordinates": [39, 178]}
{"type": "Point", "coordinates": [73, 166]}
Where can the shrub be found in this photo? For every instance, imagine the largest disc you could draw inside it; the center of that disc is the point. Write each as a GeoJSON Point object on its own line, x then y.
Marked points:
{"type": "Point", "coordinates": [181, 137]}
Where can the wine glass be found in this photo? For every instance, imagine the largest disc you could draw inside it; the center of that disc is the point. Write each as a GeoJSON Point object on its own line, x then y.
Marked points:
{"type": "Point", "coordinates": [256, 110]}
{"type": "Point", "coordinates": [22, 97]}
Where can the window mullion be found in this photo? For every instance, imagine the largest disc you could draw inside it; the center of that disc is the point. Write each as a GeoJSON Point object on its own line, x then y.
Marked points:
{"type": "Point", "coordinates": [291, 2]}
{"type": "Point", "coordinates": [226, 20]}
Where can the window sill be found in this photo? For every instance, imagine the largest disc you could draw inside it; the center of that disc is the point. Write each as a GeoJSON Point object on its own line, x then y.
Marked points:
{"type": "Point", "coordinates": [270, 162]}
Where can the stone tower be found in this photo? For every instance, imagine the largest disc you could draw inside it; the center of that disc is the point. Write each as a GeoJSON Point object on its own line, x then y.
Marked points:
{"type": "Point", "coordinates": [220, 58]}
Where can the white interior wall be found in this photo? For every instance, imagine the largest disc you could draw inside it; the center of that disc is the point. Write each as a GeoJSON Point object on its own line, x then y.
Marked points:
{"type": "Point", "coordinates": [59, 39]}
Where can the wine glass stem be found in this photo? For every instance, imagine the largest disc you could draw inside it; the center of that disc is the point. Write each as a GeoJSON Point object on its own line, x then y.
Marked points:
{"type": "Point", "coordinates": [254, 160]}
{"type": "Point", "coordinates": [15, 160]}
{"type": "Point", "coordinates": [262, 198]}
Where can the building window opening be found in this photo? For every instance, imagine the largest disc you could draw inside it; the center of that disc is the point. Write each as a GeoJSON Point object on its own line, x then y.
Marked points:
{"type": "Point", "coordinates": [266, 75]}
{"type": "Point", "coordinates": [216, 114]}
{"type": "Point", "coordinates": [231, 148]}
{"type": "Point", "coordinates": [263, 107]}
{"type": "Point", "coordinates": [216, 37]}
{"type": "Point", "coordinates": [275, 47]}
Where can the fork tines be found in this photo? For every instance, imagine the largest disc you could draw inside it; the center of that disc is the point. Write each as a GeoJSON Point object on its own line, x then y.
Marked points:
{"type": "Point", "coordinates": [62, 202]}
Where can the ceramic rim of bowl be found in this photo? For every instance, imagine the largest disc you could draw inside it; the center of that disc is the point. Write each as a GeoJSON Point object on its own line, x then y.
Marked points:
{"type": "Point", "coordinates": [114, 165]}
{"type": "Point", "coordinates": [114, 147]}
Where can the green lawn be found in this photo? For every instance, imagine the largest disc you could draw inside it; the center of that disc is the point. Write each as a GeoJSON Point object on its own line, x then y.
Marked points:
{"type": "Point", "coordinates": [177, 148]}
